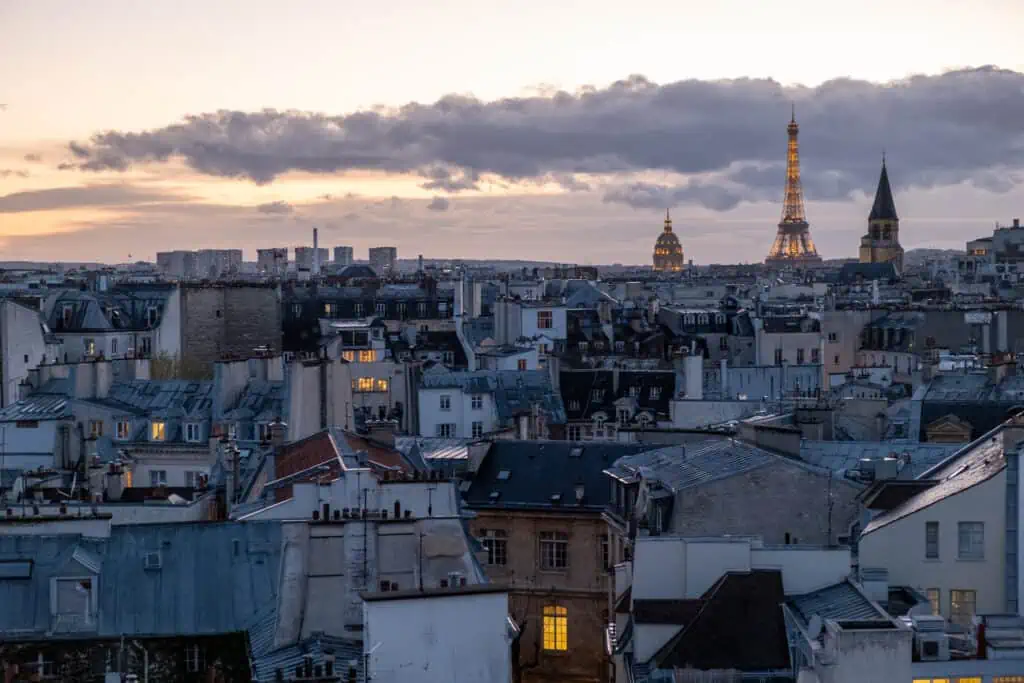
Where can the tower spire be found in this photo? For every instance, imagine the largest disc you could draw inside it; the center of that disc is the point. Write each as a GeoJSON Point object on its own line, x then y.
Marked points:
{"type": "Point", "coordinates": [668, 221]}
{"type": "Point", "coordinates": [793, 240]}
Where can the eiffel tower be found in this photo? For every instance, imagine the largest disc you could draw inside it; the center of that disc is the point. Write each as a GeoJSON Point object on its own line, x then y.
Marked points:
{"type": "Point", "coordinates": [793, 244]}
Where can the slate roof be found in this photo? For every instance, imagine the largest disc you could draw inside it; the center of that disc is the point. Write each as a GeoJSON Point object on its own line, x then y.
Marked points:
{"type": "Point", "coordinates": [538, 470]}
{"type": "Point", "coordinates": [974, 464]}
{"type": "Point", "coordinates": [578, 388]}
{"type": "Point", "coordinates": [261, 401]}
{"type": "Point", "coordinates": [162, 398]}
{"type": "Point", "coordinates": [122, 309]}
{"type": "Point", "coordinates": [846, 455]}
{"type": "Point", "coordinates": [842, 602]}
{"type": "Point", "coordinates": [514, 391]}
{"type": "Point", "coordinates": [215, 578]}
{"type": "Point", "coordinates": [739, 626]}
{"type": "Point", "coordinates": [884, 208]}
{"type": "Point", "coordinates": [681, 467]}
{"type": "Point", "coordinates": [37, 407]}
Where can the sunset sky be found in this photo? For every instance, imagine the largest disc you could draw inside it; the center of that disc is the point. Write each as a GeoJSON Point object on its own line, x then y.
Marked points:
{"type": "Point", "coordinates": [535, 130]}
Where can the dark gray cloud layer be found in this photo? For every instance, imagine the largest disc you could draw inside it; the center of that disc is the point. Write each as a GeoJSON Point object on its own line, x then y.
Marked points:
{"type": "Point", "coordinates": [114, 194]}
{"type": "Point", "coordinates": [959, 126]}
{"type": "Point", "coordinates": [278, 207]}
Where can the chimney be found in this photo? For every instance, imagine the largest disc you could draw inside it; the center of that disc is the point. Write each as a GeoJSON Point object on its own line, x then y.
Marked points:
{"type": "Point", "coordinates": [278, 432]}
{"type": "Point", "coordinates": [316, 252]}
{"type": "Point", "coordinates": [383, 431]}
{"type": "Point", "coordinates": [115, 482]}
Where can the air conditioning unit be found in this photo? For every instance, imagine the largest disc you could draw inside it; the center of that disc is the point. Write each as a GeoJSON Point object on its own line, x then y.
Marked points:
{"type": "Point", "coordinates": [152, 561]}
{"type": "Point", "coordinates": [932, 647]}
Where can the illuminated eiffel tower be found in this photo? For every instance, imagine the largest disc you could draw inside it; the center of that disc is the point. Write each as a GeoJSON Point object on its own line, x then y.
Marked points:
{"type": "Point", "coordinates": [793, 244]}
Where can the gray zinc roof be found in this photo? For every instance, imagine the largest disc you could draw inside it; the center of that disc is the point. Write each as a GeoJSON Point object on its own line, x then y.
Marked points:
{"type": "Point", "coordinates": [682, 467]}
{"type": "Point", "coordinates": [842, 602]}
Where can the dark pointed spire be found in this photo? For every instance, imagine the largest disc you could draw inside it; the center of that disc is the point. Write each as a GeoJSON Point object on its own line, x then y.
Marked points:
{"type": "Point", "coordinates": [668, 221]}
{"type": "Point", "coordinates": [884, 208]}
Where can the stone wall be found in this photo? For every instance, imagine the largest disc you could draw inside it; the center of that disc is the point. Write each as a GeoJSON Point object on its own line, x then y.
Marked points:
{"type": "Point", "coordinates": [219, 320]}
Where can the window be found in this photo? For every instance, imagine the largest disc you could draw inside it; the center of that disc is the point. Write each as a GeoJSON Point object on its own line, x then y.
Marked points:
{"type": "Point", "coordinates": [935, 598]}
{"type": "Point", "coordinates": [799, 356]}
{"type": "Point", "coordinates": [620, 346]}
{"type": "Point", "coordinates": [95, 428]}
{"type": "Point", "coordinates": [835, 360]}
{"type": "Point", "coordinates": [113, 346]}
{"type": "Point", "coordinates": [73, 600]}
{"type": "Point", "coordinates": [446, 402]}
{"type": "Point", "coordinates": [556, 620]}
{"type": "Point", "coordinates": [623, 416]}
{"type": "Point", "coordinates": [124, 429]}
{"type": "Point", "coordinates": [495, 542]}
{"type": "Point", "coordinates": [544, 320]}
{"type": "Point", "coordinates": [263, 431]}
{"type": "Point", "coordinates": [193, 479]}
{"type": "Point", "coordinates": [521, 364]}
{"type": "Point", "coordinates": [723, 343]}
{"type": "Point", "coordinates": [961, 606]}
{"type": "Point", "coordinates": [605, 552]}
{"type": "Point", "coordinates": [931, 540]}
{"type": "Point", "coordinates": [833, 337]}
{"type": "Point", "coordinates": [815, 356]}
{"type": "Point", "coordinates": [448, 358]}
{"type": "Point", "coordinates": [382, 308]}
{"type": "Point", "coordinates": [574, 404]}
{"type": "Point", "coordinates": [597, 395]}
{"type": "Point", "coordinates": [554, 550]}
{"type": "Point", "coordinates": [145, 346]}
{"type": "Point", "coordinates": [446, 430]}
{"type": "Point", "coordinates": [362, 384]}
{"type": "Point", "coordinates": [478, 430]}
{"type": "Point", "coordinates": [380, 385]}
{"type": "Point", "coordinates": [574, 433]}
{"type": "Point", "coordinates": [158, 477]}
{"type": "Point", "coordinates": [368, 356]}
{"type": "Point", "coordinates": [157, 431]}
{"type": "Point", "coordinates": [232, 429]}
{"type": "Point", "coordinates": [778, 356]}
{"type": "Point", "coordinates": [476, 402]}
{"type": "Point", "coordinates": [422, 308]}
{"type": "Point", "coordinates": [358, 310]}
{"type": "Point", "coordinates": [90, 347]}
{"type": "Point", "coordinates": [971, 537]}
{"type": "Point", "coordinates": [655, 393]}
{"type": "Point", "coordinates": [192, 659]}
{"type": "Point", "coordinates": [330, 310]}
{"type": "Point", "coordinates": [193, 432]}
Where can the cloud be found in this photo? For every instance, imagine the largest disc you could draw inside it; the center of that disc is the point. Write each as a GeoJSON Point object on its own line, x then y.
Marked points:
{"type": "Point", "coordinates": [278, 207]}
{"type": "Point", "coordinates": [438, 204]}
{"type": "Point", "coordinates": [941, 129]}
{"type": "Point", "coordinates": [13, 173]}
{"type": "Point", "coordinates": [33, 158]}
{"type": "Point", "coordinates": [78, 197]}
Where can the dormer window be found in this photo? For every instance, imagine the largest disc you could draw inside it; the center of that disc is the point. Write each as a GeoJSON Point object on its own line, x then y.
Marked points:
{"type": "Point", "coordinates": [124, 430]}
{"type": "Point", "coordinates": [634, 391]}
{"type": "Point", "coordinates": [597, 395]}
{"type": "Point", "coordinates": [152, 316]}
{"type": "Point", "coordinates": [157, 431]}
{"type": "Point", "coordinates": [73, 603]}
{"type": "Point", "coordinates": [193, 432]}
{"type": "Point", "coordinates": [703, 319]}
{"type": "Point", "coordinates": [655, 393]}
{"type": "Point", "coordinates": [263, 431]}
{"type": "Point", "coordinates": [620, 346]}
{"type": "Point", "coordinates": [574, 405]}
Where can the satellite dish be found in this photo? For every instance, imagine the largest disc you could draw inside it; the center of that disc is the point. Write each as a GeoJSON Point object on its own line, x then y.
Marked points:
{"type": "Point", "coordinates": [814, 627]}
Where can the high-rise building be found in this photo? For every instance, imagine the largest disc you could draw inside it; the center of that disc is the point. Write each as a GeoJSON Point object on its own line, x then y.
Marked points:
{"type": "Point", "coordinates": [343, 256]}
{"type": "Point", "coordinates": [273, 262]}
{"type": "Point", "coordinates": [384, 260]}
{"type": "Point", "coordinates": [668, 253]}
{"type": "Point", "coordinates": [177, 264]}
{"type": "Point", "coordinates": [217, 263]}
{"type": "Point", "coordinates": [793, 244]}
{"type": "Point", "coordinates": [305, 257]}
{"type": "Point", "coordinates": [881, 244]}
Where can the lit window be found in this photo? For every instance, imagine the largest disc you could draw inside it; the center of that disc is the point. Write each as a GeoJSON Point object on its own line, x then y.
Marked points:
{"type": "Point", "coordinates": [972, 679]}
{"type": "Point", "coordinates": [90, 347]}
{"type": "Point", "coordinates": [124, 428]}
{"type": "Point", "coordinates": [934, 597]}
{"type": "Point", "coordinates": [495, 542]}
{"type": "Point", "coordinates": [545, 320]}
{"type": "Point", "coordinates": [556, 621]}
{"type": "Point", "coordinates": [95, 428]}
{"type": "Point", "coordinates": [380, 385]}
{"type": "Point", "coordinates": [554, 550]}
{"type": "Point", "coordinates": [362, 384]}
{"type": "Point", "coordinates": [368, 356]}
{"type": "Point", "coordinates": [971, 536]}
{"type": "Point", "coordinates": [521, 364]}
{"type": "Point", "coordinates": [349, 356]}
{"type": "Point", "coordinates": [330, 310]}
{"type": "Point", "coordinates": [962, 604]}
{"type": "Point", "coordinates": [157, 431]}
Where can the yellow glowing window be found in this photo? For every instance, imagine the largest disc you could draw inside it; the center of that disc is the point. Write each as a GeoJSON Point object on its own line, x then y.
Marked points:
{"type": "Point", "coordinates": [350, 356]}
{"type": "Point", "coordinates": [364, 384]}
{"type": "Point", "coordinates": [969, 679]}
{"type": "Point", "coordinates": [157, 431]}
{"type": "Point", "coordinates": [128, 478]}
{"type": "Point", "coordinates": [556, 621]}
{"type": "Point", "coordinates": [381, 385]}
{"type": "Point", "coordinates": [1008, 679]}
{"type": "Point", "coordinates": [367, 356]}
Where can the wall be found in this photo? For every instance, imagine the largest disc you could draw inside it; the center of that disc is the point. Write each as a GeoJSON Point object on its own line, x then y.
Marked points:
{"type": "Point", "coordinates": [694, 414]}
{"type": "Point", "coordinates": [900, 547]}
{"type": "Point", "coordinates": [789, 342]}
{"type": "Point", "coordinates": [847, 327]}
{"type": "Point", "coordinates": [804, 568]}
{"type": "Point", "coordinates": [461, 637]}
{"type": "Point", "coordinates": [462, 414]}
{"type": "Point", "coordinates": [582, 589]}
{"type": "Point", "coordinates": [21, 345]}
{"type": "Point", "coordinates": [559, 328]}
{"type": "Point", "coordinates": [867, 655]}
{"type": "Point", "coordinates": [228, 319]}
{"type": "Point", "coordinates": [777, 499]}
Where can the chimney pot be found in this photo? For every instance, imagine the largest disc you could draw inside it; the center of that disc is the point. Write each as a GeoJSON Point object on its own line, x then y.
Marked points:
{"type": "Point", "coordinates": [316, 515]}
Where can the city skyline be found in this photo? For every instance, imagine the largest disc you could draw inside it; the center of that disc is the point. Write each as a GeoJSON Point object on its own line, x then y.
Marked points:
{"type": "Point", "coordinates": [167, 153]}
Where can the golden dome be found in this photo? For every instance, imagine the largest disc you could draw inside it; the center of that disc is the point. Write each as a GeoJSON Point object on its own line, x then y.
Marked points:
{"type": "Point", "coordinates": [668, 252]}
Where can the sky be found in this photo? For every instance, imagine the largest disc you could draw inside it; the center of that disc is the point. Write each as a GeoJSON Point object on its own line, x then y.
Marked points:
{"type": "Point", "coordinates": [534, 130]}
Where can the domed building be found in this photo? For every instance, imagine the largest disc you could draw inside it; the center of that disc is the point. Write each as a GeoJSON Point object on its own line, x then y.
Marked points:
{"type": "Point", "coordinates": [668, 253]}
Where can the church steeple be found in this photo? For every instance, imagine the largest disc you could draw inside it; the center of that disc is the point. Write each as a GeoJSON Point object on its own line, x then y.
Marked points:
{"type": "Point", "coordinates": [884, 208]}
{"type": "Point", "coordinates": [668, 221]}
